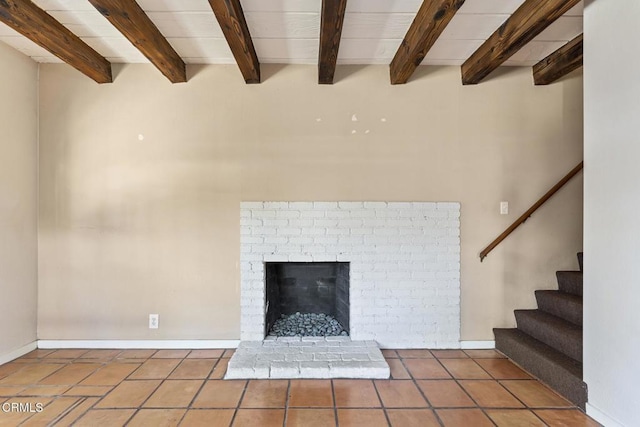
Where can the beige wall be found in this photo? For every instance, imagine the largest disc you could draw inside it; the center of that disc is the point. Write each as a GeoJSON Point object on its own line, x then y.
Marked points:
{"type": "Point", "coordinates": [131, 227]}
{"type": "Point", "coordinates": [18, 199]}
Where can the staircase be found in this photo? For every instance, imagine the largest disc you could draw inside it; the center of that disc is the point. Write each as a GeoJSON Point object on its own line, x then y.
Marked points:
{"type": "Point", "coordinates": [548, 341]}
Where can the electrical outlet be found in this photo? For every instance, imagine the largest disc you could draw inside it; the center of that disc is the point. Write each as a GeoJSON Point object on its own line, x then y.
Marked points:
{"type": "Point", "coordinates": [154, 320]}
{"type": "Point", "coordinates": [504, 208]}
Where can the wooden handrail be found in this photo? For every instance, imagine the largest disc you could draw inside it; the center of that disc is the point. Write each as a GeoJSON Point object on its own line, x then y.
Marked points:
{"type": "Point", "coordinates": [531, 210]}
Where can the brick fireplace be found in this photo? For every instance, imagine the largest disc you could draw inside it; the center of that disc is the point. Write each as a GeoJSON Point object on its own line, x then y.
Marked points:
{"type": "Point", "coordinates": [404, 258]}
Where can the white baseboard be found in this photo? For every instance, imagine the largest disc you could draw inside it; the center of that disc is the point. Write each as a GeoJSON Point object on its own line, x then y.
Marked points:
{"type": "Point", "coordinates": [142, 344]}
{"type": "Point", "coordinates": [477, 345]}
{"type": "Point", "coordinates": [189, 344]}
{"type": "Point", "coordinates": [601, 417]}
{"type": "Point", "coordinates": [14, 354]}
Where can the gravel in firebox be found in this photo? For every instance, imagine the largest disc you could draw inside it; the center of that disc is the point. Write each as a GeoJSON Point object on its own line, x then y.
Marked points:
{"type": "Point", "coordinates": [307, 325]}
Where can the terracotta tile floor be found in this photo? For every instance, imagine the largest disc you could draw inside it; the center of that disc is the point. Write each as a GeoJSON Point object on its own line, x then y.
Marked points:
{"type": "Point", "coordinates": [471, 388]}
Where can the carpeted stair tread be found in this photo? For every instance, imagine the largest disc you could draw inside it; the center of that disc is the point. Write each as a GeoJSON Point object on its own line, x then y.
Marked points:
{"type": "Point", "coordinates": [561, 304]}
{"type": "Point", "coordinates": [580, 260]}
{"type": "Point", "coordinates": [570, 282]}
{"type": "Point", "coordinates": [563, 336]}
{"type": "Point", "coordinates": [557, 370]}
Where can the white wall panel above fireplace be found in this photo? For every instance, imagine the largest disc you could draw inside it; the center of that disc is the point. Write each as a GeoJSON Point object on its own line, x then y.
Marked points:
{"type": "Point", "coordinates": [404, 256]}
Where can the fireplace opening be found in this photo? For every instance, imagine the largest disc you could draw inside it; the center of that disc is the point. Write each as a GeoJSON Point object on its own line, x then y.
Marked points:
{"type": "Point", "coordinates": [307, 298]}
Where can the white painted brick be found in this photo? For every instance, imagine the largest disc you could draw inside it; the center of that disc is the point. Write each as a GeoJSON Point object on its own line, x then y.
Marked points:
{"type": "Point", "coordinates": [361, 231]}
{"type": "Point", "coordinates": [302, 206]}
{"type": "Point", "coordinates": [247, 240]}
{"type": "Point", "coordinates": [289, 249]}
{"type": "Point", "coordinates": [388, 213]}
{"type": "Point", "coordinates": [301, 222]}
{"type": "Point", "coordinates": [285, 370]}
{"type": "Point", "coordinates": [251, 276]}
{"type": "Point", "coordinates": [316, 231]}
{"type": "Point", "coordinates": [300, 240]}
{"type": "Point", "coordinates": [374, 275]}
{"type": "Point", "coordinates": [288, 214]}
{"type": "Point", "coordinates": [262, 370]}
{"type": "Point", "coordinates": [300, 258]}
{"type": "Point", "coordinates": [315, 369]}
{"type": "Point", "coordinates": [350, 223]}
{"type": "Point", "coordinates": [312, 214]}
{"type": "Point", "coordinates": [398, 223]}
{"type": "Point", "coordinates": [325, 222]}
{"type": "Point", "coordinates": [275, 222]}
{"type": "Point", "coordinates": [324, 257]}
{"type": "Point", "coordinates": [374, 222]}
{"type": "Point", "coordinates": [262, 214]}
{"type": "Point", "coordinates": [375, 205]}
{"type": "Point", "coordinates": [288, 231]}
{"type": "Point", "coordinates": [338, 214]}
{"type": "Point", "coordinates": [350, 205]}
{"type": "Point", "coordinates": [326, 240]}
{"type": "Point", "coordinates": [250, 222]}
{"type": "Point", "coordinates": [363, 213]}
{"type": "Point", "coordinates": [400, 205]}
{"type": "Point", "coordinates": [385, 231]}
{"type": "Point", "coordinates": [448, 275]}
{"type": "Point", "coordinates": [298, 357]}
{"type": "Point", "coordinates": [349, 240]}
{"type": "Point", "coordinates": [253, 294]}
{"type": "Point", "coordinates": [404, 264]}
{"type": "Point", "coordinates": [327, 356]}
{"type": "Point", "coordinates": [314, 249]}
{"type": "Point", "coordinates": [387, 267]}
{"type": "Point", "coordinates": [424, 206]}
{"type": "Point", "coordinates": [454, 206]}
{"type": "Point", "coordinates": [263, 231]}
{"type": "Point", "coordinates": [337, 231]}
{"type": "Point", "coordinates": [325, 205]}
{"type": "Point", "coordinates": [263, 248]}
{"type": "Point", "coordinates": [356, 357]}
{"type": "Point", "coordinates": [276, 205]}
{"type": "Point", "coordinates": [276, 257]}
{"type": "Point", "coordinates": [252, 205]}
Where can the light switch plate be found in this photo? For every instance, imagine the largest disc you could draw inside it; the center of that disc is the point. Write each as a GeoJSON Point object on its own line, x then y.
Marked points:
{"type": "Point", "coordinates": [504, 208]}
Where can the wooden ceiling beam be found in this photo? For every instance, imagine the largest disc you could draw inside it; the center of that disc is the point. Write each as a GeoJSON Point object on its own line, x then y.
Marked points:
{"type": "Point", "coordinates": [529, 20]}
{"type": "Point", "coordinates": [559, 63]}
{"type": "Point", "coordinates": [234, 26]}
{"type": "Point", "coordinates": [332, 18]}
{"type": "Point", "coordinates": [129, 18]}
{"type": "Point", "coordinates": [432, 18]}
{"type": "Point", "coordinates": [41, 28]}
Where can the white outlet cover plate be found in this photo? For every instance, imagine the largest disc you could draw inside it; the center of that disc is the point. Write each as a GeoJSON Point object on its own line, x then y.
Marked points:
{"type": "Point", "coordinates": [153, 321]}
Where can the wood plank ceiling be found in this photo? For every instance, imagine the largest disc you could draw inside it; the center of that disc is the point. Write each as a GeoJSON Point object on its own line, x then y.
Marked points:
{"type": "Point", "coordinates": [478, 35]}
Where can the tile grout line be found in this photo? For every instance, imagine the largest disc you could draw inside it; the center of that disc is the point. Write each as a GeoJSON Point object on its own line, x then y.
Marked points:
{"type": "Point", "coordinates": [98, 399]}
{"type": "Point", "coordinates": [433, 410]}
{"type": "Point", "coordinates": [286, 404]}
{"type": "Point", "coordinates": [335, 403]}
{"type": "Point", "coordinates": [141, 406]}
{"type": "Point", "coordinates": [237, 408]}
{"type": "Point", "coordinates": [384, 408]}
{"type": "Point", "coordinates": [197, 393]}
{"type": "Point", "coordinates": [54, 398]}
{"type": "Point", "coordinates": [469, 394]}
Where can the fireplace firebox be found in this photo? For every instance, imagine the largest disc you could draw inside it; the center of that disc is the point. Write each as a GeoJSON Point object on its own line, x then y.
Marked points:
{"type": "Point", "coordinates": [307, 292]}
